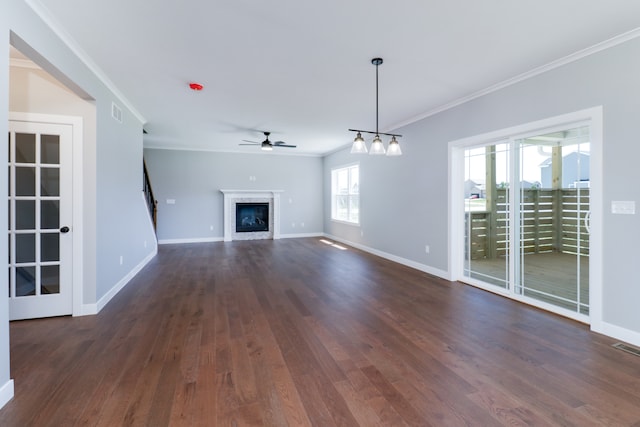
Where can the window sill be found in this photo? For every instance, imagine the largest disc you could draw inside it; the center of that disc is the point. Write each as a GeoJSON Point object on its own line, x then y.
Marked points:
{"type": "Point", "coordinates": [339, 221]}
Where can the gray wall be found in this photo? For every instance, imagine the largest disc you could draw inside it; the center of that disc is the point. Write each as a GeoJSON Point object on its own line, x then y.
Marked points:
{"type": "Point", "coordinates": [114, 216]}
{"type": "Point", "coordinates": [610, 78]}
{"type": "Point", "coordinates": [194, 180]}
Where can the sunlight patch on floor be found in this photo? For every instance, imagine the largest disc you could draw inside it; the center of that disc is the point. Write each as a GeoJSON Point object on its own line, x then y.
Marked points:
{"type": "Point", "coordinates": [335, 245]}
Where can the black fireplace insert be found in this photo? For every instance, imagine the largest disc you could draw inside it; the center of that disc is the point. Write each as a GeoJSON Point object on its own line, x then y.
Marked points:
{"type": "Point", "coordinates": [251, 217]}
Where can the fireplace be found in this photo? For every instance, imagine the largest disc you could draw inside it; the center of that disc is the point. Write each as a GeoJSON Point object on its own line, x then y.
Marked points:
{"type": "Point", "coordinates": [251, 214]}
{"type": "Point", "coordinates": [251, 217]}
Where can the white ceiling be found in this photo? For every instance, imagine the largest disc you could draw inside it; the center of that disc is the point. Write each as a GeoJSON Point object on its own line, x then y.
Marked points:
{"type": "Point", "coordinates": [302, 69]}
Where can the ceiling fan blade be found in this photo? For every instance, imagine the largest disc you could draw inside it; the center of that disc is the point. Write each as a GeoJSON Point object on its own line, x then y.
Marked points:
{"type": "Point", "coordinates": [266, 144]}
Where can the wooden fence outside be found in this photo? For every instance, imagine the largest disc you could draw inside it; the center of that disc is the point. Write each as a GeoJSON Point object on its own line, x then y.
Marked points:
{"type": "Point", "coordinates": [551, 221]}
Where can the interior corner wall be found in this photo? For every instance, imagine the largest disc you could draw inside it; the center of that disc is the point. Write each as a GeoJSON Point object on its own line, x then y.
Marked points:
{"type": "Point", "coordinates": [115, 219]}
{"type": "Point", "coordinates": [193, 180]}
{"type": "Point", "coordinates": [404, 200]}
{"type": "Point", "coordinates": [5, 374]}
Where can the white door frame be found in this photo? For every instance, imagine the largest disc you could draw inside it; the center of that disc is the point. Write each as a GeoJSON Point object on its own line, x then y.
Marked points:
{"type": "Point", "coordinates": [77, 193]}
{"type": "Point", "coordinates": [456, 208]}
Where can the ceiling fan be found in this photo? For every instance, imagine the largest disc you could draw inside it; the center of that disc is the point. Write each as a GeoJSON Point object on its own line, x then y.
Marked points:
{"type": "Point", "coordinates": [267, 145]}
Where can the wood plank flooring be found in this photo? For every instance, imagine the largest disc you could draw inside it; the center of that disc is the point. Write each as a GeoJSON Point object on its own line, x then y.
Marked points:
{"type": "Point", "coordinates": [295, 333]}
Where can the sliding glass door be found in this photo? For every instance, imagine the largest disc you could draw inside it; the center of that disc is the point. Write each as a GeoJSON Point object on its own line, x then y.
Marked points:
{"type": "Point", "coordinates": [486, 202]}
{"type": "Point", "coordinates": [526, 214]}
{"type": "Point", "coordinates": [553, 215]}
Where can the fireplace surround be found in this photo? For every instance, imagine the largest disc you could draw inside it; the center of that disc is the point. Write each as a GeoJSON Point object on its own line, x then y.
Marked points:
{"type": "Point", "coordinates": [232, 198]}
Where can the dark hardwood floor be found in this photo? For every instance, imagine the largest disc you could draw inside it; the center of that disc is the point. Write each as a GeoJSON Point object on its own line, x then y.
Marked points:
{"type": "Point", "coordinates": [296, 332]}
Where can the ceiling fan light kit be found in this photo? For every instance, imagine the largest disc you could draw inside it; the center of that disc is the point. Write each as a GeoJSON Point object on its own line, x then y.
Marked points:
{"type": "Point", "coordinates": [377, 147]}
{"type": "Point", "coordinates": [267, 145]}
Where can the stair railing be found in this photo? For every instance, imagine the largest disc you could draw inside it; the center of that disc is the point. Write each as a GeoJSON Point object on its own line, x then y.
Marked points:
{"type": "Point", "coordinates": [152, 203]}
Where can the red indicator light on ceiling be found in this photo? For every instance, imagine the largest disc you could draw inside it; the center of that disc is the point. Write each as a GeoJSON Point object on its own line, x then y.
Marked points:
{"type": "Point", "coordinates": [196, 86]}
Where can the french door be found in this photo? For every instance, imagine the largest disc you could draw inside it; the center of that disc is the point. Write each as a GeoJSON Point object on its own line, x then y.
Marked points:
{"type": "Point", "coordinates": [40, 211]}
{"type": "Point", "coordinates": [526, 217]}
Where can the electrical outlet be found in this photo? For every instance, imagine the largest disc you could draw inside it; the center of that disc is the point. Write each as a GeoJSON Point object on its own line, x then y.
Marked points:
{"type": "Point", "coordinates": [427, 249]}
{"type": "Point", "coordinates": [211, 228]}
{"type": "Point", "coordinates": [302, 224]}
{"type": "Point", "coordinates": [121, 259]}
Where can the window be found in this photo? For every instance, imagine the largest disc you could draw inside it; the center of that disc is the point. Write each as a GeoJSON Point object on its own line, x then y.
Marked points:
{"type": "Point", "coordinates": [345, 194]}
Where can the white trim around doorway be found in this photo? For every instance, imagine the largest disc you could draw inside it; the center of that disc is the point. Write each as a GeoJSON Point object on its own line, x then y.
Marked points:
{"type": "Point", "coordinates": [77, 194]}
{"type": "Point", "coordinates": [6, 393]}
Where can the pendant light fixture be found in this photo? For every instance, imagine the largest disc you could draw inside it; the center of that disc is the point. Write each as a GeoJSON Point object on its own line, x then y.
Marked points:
{"type": "Point", "coordinates": [377, 148]}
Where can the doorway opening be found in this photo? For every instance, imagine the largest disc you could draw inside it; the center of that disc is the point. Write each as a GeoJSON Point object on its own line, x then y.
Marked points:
{"type": "Point", "coordinates": [48, 119]}
{"type": "Point", "coordinates": [522, 200]}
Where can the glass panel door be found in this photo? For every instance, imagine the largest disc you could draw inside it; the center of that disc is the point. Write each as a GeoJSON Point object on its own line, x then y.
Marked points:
{"type": "Point", "coordinates": [486, 196]}
{"type": "Point", "coordinates": [39, 215]}
{"type": "Point", "coordinates": [553, 205]}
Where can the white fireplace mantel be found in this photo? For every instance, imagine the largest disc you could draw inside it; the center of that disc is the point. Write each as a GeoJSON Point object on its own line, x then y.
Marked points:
{"type": "Point", "coordinates": [231, 197]}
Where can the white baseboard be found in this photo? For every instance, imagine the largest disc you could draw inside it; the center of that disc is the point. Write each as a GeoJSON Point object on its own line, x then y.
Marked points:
{"type": "Point", "coordinates": [89, 309]}
{"type": "Point", "coordinates": [190, 240]}
{"type": "Point", "coordinates": [300, 235]}
{"type": "Point", "coordinates": [409, 263]}
{"type": "Point", "coordinates": [619, 333]}
{"type": "Point", "coordinates": [6, 393]}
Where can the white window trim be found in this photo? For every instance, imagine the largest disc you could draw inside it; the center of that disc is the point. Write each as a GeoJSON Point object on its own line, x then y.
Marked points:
{"type": "Point", "coordinates": [333, 171]}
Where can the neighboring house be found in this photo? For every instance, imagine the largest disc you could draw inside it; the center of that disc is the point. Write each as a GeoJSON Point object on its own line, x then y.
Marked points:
{"type": "Point", "coordinates": [527, 184]}
{"type": "Point", "coordinates": [575, 169]}
{"type": "Point", "coordinates": [473, 189]}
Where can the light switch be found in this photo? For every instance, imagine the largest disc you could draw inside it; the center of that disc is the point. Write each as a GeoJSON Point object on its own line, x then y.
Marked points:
{"type": "Point", "coordinates": [625, 207]}
{"type": "Point", "coordinates": [171, 201]}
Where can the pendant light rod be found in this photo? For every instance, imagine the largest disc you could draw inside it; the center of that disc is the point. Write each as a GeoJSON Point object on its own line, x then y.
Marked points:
{"type": "Point", "coordinates": [377, 148]}
{"type": "Point", "coordinates": [376, 62]}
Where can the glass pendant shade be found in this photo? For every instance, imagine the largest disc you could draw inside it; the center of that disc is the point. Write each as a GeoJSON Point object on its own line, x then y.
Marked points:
{"type": "Point", "coordinates": [266, 146]}
{"type": "Point", "coordinates": [376, 147]}
{"type": "Point", "coordinates": [358, 147]}
{"type": "Point", "coordinates": [394, 148]}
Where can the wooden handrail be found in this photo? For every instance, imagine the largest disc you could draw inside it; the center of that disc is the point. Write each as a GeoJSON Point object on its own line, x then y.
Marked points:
{"type": "Point", "coordinates": [152, 203]}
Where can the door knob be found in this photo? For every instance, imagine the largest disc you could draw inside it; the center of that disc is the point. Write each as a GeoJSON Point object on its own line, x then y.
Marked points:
{"type": "Point", "coordinates": [64, 229]}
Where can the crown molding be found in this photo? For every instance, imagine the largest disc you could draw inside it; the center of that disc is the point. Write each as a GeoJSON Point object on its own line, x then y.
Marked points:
{"type": "Point", "coordinates": [231, 151]}
{"type": "Point", "coordinates": [45, 14]}
{"type": "Point", "coordinates": [599, 47]}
